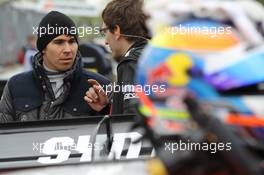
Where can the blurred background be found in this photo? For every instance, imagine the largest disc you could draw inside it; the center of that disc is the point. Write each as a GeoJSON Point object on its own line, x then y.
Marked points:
{"type": "Point", "coordinates": [18, 17]}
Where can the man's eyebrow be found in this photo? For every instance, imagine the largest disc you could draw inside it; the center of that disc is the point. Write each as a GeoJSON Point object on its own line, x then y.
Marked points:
{"type": "Point", "coordinates": [59, 39]}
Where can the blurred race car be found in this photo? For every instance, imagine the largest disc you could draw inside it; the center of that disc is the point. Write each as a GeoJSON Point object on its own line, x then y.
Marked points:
{"type": "Point", "coordinates": [206, 76]}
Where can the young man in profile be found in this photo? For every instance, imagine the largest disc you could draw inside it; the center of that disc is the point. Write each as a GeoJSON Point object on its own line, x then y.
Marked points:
{"type": "Point", "coordinates": [126, 33]}
{"type": "Point", "coordinates": [55, 88]}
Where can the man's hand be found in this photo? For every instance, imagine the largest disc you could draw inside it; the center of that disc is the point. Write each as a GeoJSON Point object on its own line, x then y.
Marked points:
{"type": "Point", "coordinates": [95, 97]}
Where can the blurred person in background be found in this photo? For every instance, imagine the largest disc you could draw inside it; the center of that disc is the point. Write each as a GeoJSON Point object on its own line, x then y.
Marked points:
{"type": "Point", "coordinates": [30, 44]}
{"type": "Point", "coordinates": [30, 52]}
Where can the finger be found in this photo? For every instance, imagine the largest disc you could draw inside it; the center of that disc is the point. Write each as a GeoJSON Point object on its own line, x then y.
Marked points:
{"type": "Point", "coordinates": [99, 90]}
{"type": "Point", "coordinates": [93, 82]}
{"type": "Point", "coordinates": [90, 96]}
{"type": "Point", "coordinates": [87, 99]}
{"type": "Point", "coordinates": [93, 93]}
{"type": "Point", "coordinates": [102, 95]}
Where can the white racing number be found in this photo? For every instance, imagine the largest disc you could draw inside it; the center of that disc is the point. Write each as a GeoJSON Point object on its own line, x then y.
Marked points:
{"type": "Point", "coordinates": [49, 148]}
{"type": "Point", "coordinates": [84, 147]}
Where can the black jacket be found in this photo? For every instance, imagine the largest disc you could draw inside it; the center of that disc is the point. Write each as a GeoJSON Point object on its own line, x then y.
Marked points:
{"type": "Point", "coordinates": [123, 101]}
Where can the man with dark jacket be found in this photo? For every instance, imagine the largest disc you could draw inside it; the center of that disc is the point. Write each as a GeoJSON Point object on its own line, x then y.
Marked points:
{"type": "Point", "coordinates": [54, 89]}
{"type": "Point", "coordinates": [126, 33]}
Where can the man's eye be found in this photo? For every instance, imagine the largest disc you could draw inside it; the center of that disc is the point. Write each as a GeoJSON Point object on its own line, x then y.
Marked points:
{"type": "Point", "coordinates": [71, 41]}
{"type": "Point", "coordinates": [58, 42]}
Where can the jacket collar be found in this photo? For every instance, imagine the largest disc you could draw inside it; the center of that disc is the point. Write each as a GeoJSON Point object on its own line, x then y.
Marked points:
{"type": "Point", "coordinates": [41, 76]}
{"type": "Point", "coordinates": [134, 51]}
{"type": "Point", "coordinates": [140, 43]}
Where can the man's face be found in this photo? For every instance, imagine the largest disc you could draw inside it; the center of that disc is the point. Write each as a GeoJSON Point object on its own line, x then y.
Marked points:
{"type": "Point", "coordinates": [113, 42]}
{"type": "Point", "coordinates": [60, 53]}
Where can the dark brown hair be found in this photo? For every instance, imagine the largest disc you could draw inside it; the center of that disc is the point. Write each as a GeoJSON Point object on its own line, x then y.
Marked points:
{"type": "Point", "coordinates": [128, 15]}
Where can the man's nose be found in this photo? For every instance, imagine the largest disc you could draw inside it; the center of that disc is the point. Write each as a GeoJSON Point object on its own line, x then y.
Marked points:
{"type": "Point", "coordinates": [67, 47]}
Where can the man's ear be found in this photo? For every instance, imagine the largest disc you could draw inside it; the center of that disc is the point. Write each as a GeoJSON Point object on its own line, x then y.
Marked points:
{"type": "Point", "coordinates": [117, 32]}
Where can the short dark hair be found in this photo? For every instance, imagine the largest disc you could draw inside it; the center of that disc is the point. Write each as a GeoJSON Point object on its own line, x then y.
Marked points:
{"type": "Point", "coordinates": [128, 15]}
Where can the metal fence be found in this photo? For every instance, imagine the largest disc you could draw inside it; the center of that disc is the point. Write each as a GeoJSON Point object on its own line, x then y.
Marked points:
{"type": "Point", "coordinates": [15, 26]}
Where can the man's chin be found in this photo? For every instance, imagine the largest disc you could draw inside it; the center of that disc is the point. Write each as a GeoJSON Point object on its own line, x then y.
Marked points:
{"type": "Point", "coordinates": [117, 58]}
{"type": "Point", "coordinates": [64, 68]}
